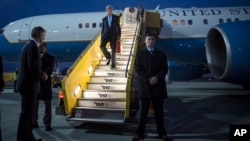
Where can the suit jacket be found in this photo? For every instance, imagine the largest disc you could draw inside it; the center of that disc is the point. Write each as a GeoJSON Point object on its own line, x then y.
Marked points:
{"type": "Point", "coordinates": [1, 75]}
{"type": "Point", "coordinates": [48, 62]}
{"type": "Point", "coordinates": [147, 66]}
{"type": "Point", "coordinates": [140, 13]}
{"type": "Point", "coordinates": [113, 31]}
{"type": "Point", "coordinates": [30, 69]}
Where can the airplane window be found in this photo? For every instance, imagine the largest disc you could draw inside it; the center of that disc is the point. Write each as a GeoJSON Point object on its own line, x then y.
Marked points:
{"type": "Point", "coordinates": [236, 19]}
{"type": "Point", "coordinates": [174, 22]}
{"type": "Point", "coordinates": [94, 25]}
{"type": "Point", "coordinates": [182, 22]}
{"type": "Point", "coordinates": [221, 21]}
{"type": "Point", "coordinates": [229, 20]}
{"type": "Point", "coordinates": [80, 25]}
{"type": "Point", "coordinates": [190, 22]}
{"type": "Point", "coordinates": [100, 25]}
{"type": "Point", "coordinates": [87, 25]}
{"type": "Point", "coordinates": [205, 21]}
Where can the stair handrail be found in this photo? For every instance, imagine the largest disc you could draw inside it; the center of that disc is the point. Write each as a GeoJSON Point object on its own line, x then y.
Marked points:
{"type": "Point", "coordinates": [131, 49]}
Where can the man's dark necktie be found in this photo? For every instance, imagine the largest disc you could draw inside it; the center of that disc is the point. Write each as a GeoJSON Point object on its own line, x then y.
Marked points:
{"type": "Point", "coordinates": [151, 51]}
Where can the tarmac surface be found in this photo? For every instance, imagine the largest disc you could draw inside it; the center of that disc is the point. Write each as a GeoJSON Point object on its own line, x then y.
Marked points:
{"type": "Point", "coordinates": [194, 111]}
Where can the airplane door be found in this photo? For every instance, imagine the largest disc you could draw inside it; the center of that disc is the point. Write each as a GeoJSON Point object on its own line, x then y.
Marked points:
{"type": "Point", "coordinates": [130, 15]}
{"type": "Point", "coordinates": [166, 25]}
{"type": "Point", "coordinates": [25, 30]}
{"type": "Point", "coordinates": [166, 30]}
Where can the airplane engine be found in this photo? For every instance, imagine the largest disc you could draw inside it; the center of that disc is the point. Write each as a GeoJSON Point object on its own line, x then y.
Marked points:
{"type": "Point", "coordinates": [228, 52]}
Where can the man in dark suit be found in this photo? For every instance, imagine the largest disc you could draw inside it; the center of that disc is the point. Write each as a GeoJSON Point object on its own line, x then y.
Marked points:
{"type": "Point", "coordinates": [2, 83]}
{"type": "Point", "coordinates": [111, 32]}
{"type": "Point", "coordinates": [28, 83]}
{"type": "Point", "coordinates": [151, 67]}
{"type": "Point", "coordinates": [140, 13]}
{"type": "Point", "coordinates": [1, 89]}
{"type": "Point", "coordinates": [45, 94]}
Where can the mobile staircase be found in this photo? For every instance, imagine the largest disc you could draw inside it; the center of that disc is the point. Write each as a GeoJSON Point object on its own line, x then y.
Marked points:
{"type": "Point", "coordinates": [92, 91]}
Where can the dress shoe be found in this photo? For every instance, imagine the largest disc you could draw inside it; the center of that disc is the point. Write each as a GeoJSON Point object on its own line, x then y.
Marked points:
{"type": "Point", "coordinates": [136, 138]}
{"type": "Point", "coordinates": [108, 62]}
{"type": "Point", "coordinates": [39, 139]}
{"type": "Point", "coordinates": [48, 128]}
{"type": "Point", "coordinates": [113, 67]}
{"type": "Point", "coordinates": [35, 126]}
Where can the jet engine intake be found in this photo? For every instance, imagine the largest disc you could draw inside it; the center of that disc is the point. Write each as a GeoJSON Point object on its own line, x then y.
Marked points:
{"type": "Point", "coordinates": [228, 52]}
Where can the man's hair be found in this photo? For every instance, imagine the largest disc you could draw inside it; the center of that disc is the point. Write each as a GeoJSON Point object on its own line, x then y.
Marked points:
{"type": "Point", "coordinates": [36, 31]}
{"type": "Point", "coordinates": [150, 35]}
{"type": "Point", "coordinates": [109, 7]}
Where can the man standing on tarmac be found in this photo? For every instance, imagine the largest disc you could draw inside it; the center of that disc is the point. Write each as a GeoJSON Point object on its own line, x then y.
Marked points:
{"type": "Point", "coordinates": [1, 89]}
{"type": "Point", "coordinates": [45, 94]}
{"type": "Point", "coordinates": [28, 83]}
{"type": "Point", "coordinates": [151, 67]}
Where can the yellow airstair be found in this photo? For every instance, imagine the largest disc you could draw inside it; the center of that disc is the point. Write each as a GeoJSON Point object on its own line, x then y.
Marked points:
{"type": "Point", "coordinates": [91, 90]}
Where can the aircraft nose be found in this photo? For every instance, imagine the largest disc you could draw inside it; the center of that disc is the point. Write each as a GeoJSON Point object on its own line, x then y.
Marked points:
{"type": "Point", "coordinates": [12, 30]}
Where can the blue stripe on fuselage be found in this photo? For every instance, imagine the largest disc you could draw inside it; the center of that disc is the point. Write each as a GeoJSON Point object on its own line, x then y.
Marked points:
{"type": "Point", "coordinates": [62, 51]}
{"type": "Point", "coordinates": [187, 51]}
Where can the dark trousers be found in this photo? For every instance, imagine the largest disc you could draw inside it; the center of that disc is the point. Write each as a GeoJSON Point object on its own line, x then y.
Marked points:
{"type": "Point", "coordinates": [0, 125]}
{"type": "Point", "coordinates": [24, 130]}
{"type": "Point", "coordinates": [47, 113]}
{"type": "Point", "coordinates": [105, 51]}
{"type": "Point", "coordinates": [159, 116]}
{"type": "Point", "coordinates": [15, 86]}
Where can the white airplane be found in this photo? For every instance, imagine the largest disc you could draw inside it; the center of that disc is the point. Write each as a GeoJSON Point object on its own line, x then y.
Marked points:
{"type": "Point", "coordinates": [217, 37]}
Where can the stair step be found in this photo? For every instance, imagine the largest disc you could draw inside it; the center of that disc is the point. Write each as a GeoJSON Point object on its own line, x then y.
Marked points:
{"type": "Point", "coordinates": [128, 32]}
{"type": "Point", "coordinates": [125, 53]}
{"type": "Point", "coordinates": [118, 62]}
{"type": "Point", "coordinates": [105, 119]}
{"type": "Point", "coordinates": [126, 45]}
{"type": "Point", "coordinates": [100, 109]}
{"type": "Point", "coordinates": [128, 29]}
{"type": "Point", "coordinates": [106, 86]}
{"type": "Point", "coordinates": [99, 79]}
{"type": "Point", "coordinates": [108, 67]}
{"type": "Point", "coordinates": [126, 41]}
{"type": "Point", "coordinates": [127, 38]}
{"type": "Point", "coordinates": [104, 94]}
{"type": "Point", "coordinates": [100, 103]}
{"type": "Point", "coordinates": [109, 73]}
{"type": "Point", "coordinates": [118, 57]}
{"type": "Point", "coordinates": [127, 35]}
{"type": "Point", "coordinates": [121, 57]}
{"type": "Point", "coordinates": [127, 50]}
{"type": "Point", "coordinates": [98, 115]}
{"type": "Point", "coordinates": [129, 25]}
